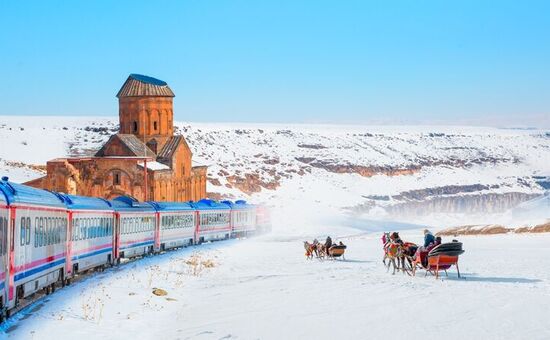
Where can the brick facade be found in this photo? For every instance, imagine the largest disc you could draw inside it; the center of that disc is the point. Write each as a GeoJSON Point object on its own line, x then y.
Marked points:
{"type": "Point", "coordinates": [146, 135]}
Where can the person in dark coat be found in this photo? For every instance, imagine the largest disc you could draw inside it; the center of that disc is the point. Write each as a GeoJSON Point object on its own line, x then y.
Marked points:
{"type": "Point", "coordinates": [428, 238]}
{"type": "Point", "coordinates": [328, 243]}
{"type": "Point", "coordinates": [434, 244]}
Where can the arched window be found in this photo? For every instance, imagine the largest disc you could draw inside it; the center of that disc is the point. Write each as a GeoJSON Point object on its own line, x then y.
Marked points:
{"type": "Point", "coordinates": [155, 126]}
{"type": "Point", "coordinates": [135, 126]}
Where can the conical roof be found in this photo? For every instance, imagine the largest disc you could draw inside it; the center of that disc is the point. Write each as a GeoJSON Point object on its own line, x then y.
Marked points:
{"type": "Point", "coordinates": [138, 85]}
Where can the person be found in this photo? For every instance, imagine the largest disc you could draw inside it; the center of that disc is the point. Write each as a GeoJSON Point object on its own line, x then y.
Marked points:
{"type": "Point", "coordinates": [428, 238]}
{"type": "Point", "coordinates": [328, 243]}
{"type": "Point", "coordinates": [434, 244]}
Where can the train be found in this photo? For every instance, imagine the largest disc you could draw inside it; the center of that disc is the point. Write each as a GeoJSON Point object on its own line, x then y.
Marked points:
{"type": "Point", "coordinates": [48, 238]}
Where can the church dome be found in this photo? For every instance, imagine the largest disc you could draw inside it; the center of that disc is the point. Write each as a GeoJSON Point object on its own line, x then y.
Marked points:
{"type": "Point", "coordinates": [138, 85]}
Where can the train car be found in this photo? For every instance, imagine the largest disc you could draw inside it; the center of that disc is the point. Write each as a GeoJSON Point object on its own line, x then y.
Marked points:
{"type": "Point", "coordinates": [213, 220]}
{"type": "Point", "coordinates": [243, 218]}
{"type": "Point", "coordinates": [91, 225]}
{"type": "Point", "coordinates": [36, 240]}
{"type": "Point", "coordinates": [136, 225]}
{"type": "Point", "coordinates": [4, 218]}
{"type": "Point", "coordinates": [177, 224]}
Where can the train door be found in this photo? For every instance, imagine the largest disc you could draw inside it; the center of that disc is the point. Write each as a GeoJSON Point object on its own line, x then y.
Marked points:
{"type": "Point", "coordinates": [69, 246]}
{"type": "Point", "coordinates": [197, 227]}
{"type": "Point", "coordinates": [11, 252]}
{"type": "Point", "coordinates": [4, 223]}
{"type": "Point", "coordinates": [157, 232]}
{"type": "Point", "coordinates": [116, 237]}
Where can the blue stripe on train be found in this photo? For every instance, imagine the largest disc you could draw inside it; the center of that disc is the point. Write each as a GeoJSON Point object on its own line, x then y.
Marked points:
{"type": "Point", "coordinates": [94, 253]}
{"type": "Point", "coordinates": [136, 245]}
{"type": "Point", "coordinates": [37, 270]}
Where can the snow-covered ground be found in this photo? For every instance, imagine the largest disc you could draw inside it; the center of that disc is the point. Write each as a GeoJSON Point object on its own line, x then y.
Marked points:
{"type": "Point", "coordinates": [264, 288]}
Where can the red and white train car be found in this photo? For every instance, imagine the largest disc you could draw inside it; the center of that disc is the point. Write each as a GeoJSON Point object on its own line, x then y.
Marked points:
{"type": "Point", "coordinates": [213, 220]}
{"type": "Point", "coordinates": [136, 227]}
{"type": "Point", "coordinates": [177, 222]}
{"type": "Point", "coordinates": [243, 218]}
{"type": "Point", "coordinates": [90, 234]}
{"type": "Point", "coordinates": [36, 241]}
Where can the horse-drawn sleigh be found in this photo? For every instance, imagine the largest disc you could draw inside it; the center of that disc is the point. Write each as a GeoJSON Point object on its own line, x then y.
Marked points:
{"type": "Point", "coordinates": [407, 257]}
{"type": "Point", "coordinates": [322, 251]}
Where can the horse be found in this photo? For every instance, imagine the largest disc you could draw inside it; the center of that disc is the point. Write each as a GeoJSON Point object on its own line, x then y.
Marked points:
{"type": "Point", "coordinates": [310, 249]}
{"type": "Point", "coordinates": [399, 253]}
{"type": "Point", "coordinates": [408, 252]}
{"type": "Point", "coordinates": [392, 252]}
{"type": "Point", "coordinates": [321, 251]}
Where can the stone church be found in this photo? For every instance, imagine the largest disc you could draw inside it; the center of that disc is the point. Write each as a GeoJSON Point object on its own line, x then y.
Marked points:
{"type": "Point", "coordinates": [144, 159]}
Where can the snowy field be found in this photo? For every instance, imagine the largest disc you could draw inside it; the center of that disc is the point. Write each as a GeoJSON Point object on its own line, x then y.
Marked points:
{"type": "Point", "coordinates": [264, 288]}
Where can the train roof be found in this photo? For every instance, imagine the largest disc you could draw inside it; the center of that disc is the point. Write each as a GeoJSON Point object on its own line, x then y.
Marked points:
{"type": "Point", "coordinates": [127, 203]}
{"type": "Point", "coordinates": [172, 206]}
{"type": "Point", "coordinates": [206, 204]}
{"type": "Point", "coordinates": [239, 204]}
{"type": "Point", "coordinates": [19, 193]}
{"type": "Point", "coordinates": [75, 202]}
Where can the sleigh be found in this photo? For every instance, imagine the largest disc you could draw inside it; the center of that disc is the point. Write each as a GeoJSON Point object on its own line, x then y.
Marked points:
{"type": "Point", "coordinates": [337, 251]}
{"type": "Point", "coordinates": [440, 258]}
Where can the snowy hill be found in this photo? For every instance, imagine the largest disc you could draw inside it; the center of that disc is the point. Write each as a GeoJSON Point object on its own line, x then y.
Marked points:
{"type": "Point", "coordinates": [413, 173]}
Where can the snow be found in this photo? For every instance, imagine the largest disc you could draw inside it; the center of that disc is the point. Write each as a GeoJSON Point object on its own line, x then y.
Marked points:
{"type": "Point", "coordinates": [264, 288]}
{"type": "Point", "coordinates": [155, 166]}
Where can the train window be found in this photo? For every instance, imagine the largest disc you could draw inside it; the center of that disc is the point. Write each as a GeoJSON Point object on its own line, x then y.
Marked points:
{"type": "Point", "coordinates": [40, 231]}
{"type": "Point", "coordinates": [44, 232]}
{"type": "Point", "coordinates": [2, 235]}
{"type": "Point", "coordinates": [22, 231]}
{"type": "Point", "coordinates": [36, 223]}
{"type": "Point", "coordinates": [75, 229]}
{"type": "Point", "coordinates": [59, 230]}
{"type": "Point", "coordinates": [83, 229]}
{"type": "Point", "coordinates": [55, 230]}
{"type": "Point", "coordinates": [51, 228]}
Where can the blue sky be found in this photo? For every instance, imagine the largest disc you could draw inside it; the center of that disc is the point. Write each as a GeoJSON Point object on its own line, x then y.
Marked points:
{"type": "Point", "coordinates": [460, 62]}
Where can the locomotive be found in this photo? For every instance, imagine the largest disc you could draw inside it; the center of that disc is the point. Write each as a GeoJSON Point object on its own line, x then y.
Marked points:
{"type": "Point", "coordinates": [47, 238]}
